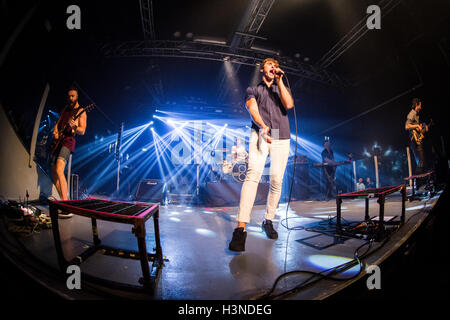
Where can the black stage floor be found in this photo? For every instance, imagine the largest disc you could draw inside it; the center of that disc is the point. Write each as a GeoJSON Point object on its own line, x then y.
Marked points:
{"type": "Point", "coordinates": [199, 265]}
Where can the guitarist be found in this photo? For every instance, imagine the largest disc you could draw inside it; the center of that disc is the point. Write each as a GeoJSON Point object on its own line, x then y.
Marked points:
{"type": "Point", "coordinates": [330, 170]}
{"type": "Point", "coordinates": [66, 129]}
{"type": "Point", "coordinates": [413, 124]}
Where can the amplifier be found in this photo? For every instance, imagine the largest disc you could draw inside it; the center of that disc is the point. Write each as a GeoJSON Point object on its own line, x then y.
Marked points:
{"type": "Point", "coordinates": [150, 190]}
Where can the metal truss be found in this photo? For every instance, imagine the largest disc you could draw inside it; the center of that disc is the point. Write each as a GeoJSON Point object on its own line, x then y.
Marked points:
{"type": "Point", "coordinates": [218, 52]}
{"type": "Point", "coordinates": [356, 33]}
{"type": "Point", "coordinates": [148, 27]}
{"type": "Point", "coordinates": [251, 23]}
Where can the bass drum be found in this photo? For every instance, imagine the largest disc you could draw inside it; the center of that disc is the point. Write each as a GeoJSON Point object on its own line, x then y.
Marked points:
{"type": "Point", "coordinates": [240, 171]}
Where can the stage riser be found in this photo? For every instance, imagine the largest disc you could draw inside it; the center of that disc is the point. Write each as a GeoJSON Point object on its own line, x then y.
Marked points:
{"type": "Point", "coordinates": [228, 193]}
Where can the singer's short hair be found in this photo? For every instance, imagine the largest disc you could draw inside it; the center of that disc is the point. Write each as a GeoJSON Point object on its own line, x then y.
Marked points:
{"type": "Point", "coordinates": [269, 60]}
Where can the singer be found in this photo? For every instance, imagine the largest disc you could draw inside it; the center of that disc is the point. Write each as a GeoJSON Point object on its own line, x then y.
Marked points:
{"type": "Point", "coordinates": [267, 103]}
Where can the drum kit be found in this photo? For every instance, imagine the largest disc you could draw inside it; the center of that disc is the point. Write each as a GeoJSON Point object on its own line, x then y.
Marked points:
{"type": "Point", "coordinates": [238, 170]}
{"type": "Point", "coordinates": [230, 170]}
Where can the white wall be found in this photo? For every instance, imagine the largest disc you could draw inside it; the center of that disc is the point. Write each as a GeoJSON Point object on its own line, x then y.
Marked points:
{"type": "Point", "coordinates": [16, 177]}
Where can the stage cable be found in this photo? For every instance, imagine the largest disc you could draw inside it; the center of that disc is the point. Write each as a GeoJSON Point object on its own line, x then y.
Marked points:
{"type": "Point", "coordinates": [325, 274]}
{"type": "Point", "coordinates": [295, 158]}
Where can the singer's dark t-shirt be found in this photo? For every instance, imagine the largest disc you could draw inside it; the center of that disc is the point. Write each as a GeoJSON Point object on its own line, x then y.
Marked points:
{"type": "Point", "coordinates": [270, 108]}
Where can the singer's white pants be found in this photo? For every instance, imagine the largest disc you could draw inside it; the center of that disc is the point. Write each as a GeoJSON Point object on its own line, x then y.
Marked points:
{"type": "Point", "coordinates": [259, 149]}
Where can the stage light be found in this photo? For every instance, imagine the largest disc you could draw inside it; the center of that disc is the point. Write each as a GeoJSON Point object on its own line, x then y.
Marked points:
{"type": "Point", "coordinates": [205, 232]}
{"type": "Point", "coordinates": [144, 149]}
{"type": "Point", "coordinates": [254, 229]}
{"type": "Point", "coordinates": [388, 151]}
{"type": "Point", "coordinates": [256, 75]}
{"type": "Point", "coordinates": [53, 113]}
{"type": "Point", "coordinates": [327, 261]}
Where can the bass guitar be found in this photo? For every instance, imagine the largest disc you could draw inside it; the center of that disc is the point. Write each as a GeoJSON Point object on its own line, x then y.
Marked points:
{"type": "Point", "coordinates": [418, 135]}
{"type": "Point", "coordinates": [56, 143]}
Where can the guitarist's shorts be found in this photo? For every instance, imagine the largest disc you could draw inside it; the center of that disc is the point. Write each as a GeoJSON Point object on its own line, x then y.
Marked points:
{"type": "Point", "coordinates": [63, 154]}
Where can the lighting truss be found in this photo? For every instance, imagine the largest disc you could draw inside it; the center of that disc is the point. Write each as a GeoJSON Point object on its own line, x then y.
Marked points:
{"type": "Point", "coordinates": [251, 23]}
{"type": "Point", "coordinates": [148, 27]}
{"type": "Point", "coordinates": [218, 52]}
{"type": "Point", "coordinates": [353, 36]}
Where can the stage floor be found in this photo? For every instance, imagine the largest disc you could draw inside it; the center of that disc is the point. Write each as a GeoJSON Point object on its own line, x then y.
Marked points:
{"type": "Point", "coordinates": [199, 265]}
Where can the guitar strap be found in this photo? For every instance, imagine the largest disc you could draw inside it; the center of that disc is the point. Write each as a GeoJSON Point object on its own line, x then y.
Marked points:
{"type": "Point", "coordinates": [73, 115]}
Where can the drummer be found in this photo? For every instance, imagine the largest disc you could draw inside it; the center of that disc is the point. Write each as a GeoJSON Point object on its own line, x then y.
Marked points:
{"type": "Point", "coordinates": [238, 153]}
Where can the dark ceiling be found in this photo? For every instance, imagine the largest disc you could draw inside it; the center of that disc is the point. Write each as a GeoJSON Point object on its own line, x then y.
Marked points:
{"type": "Point", "coordinates": [409, 56]}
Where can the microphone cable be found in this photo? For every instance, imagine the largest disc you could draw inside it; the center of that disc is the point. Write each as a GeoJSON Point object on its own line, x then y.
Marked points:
{"type": "Point", "coordinates": [295, 160]}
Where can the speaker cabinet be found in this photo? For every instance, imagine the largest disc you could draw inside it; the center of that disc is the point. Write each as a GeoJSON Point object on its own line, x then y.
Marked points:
{"type": "Point", "coordinates": [150, 190]}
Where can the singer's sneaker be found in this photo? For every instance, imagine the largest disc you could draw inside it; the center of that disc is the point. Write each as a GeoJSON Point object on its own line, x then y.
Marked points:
{"type": "Point", "coordinates": [237, 243]}
{"type": "Point", "coordinates": [267, 227]}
